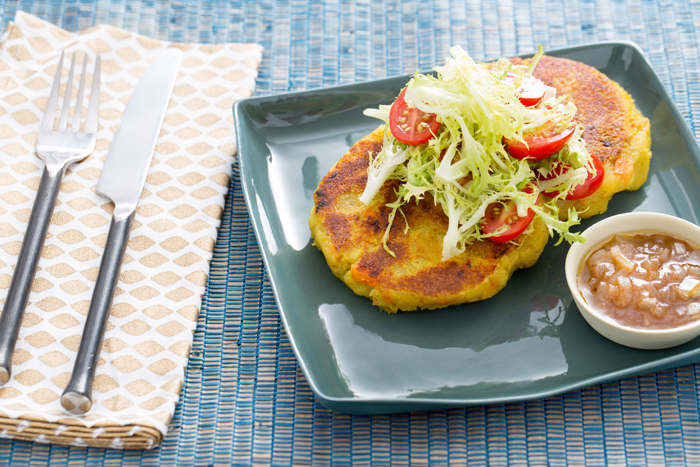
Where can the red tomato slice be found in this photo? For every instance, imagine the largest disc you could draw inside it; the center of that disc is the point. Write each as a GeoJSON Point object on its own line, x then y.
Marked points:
{"type": "Point", "coordinates": [587, 188]}
{"type": "Point", "coordinates": [531, 90]}
{"type": "Point", "coordinates": [411, 125]}
{"type": "Point", "coordinates": [499, 214]}
{"type": "Point", "coordinates": [540, 145]}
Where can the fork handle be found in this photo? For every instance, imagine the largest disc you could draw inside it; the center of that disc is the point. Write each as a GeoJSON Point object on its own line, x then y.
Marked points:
{"type": "Point", "coordinates": [77, 397]}
{"type": "Point", "coordinates": [29, 254]}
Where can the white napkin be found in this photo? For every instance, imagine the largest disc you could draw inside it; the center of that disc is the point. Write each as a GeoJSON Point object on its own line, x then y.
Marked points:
{"type": "Point", "coordinates": [165, 269]}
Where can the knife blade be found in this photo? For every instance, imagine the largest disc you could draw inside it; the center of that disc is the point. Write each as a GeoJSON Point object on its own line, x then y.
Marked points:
{"type": "Point", "coordinates": [122, 180]}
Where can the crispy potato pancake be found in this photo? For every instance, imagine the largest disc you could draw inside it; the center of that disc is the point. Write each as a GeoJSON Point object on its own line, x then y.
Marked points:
{"type": "Point", "coordinates": [615, 130]}
{"type": "Point", "coordinates": [350, 234]}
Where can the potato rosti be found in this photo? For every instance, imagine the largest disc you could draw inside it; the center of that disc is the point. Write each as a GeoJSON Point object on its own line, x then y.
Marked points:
{"type": "Point", "coordinates": [351, 234]}
{"type": "Point", "coordinates": [614, 130]}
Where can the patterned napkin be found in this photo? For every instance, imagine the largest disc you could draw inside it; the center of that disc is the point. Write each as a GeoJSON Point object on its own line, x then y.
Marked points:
{"type": "Point", "coordinates": [165, 269]}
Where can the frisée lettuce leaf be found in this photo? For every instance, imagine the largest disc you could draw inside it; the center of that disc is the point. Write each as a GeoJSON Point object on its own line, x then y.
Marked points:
{"type": "Point", "coordinates": [465, 166]}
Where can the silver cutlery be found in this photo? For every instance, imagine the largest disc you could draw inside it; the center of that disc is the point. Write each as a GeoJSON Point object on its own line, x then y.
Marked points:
{"type": "Point", "coordinates": [122, 180]}
{"type": "Point", "coordinates": [59, 148]}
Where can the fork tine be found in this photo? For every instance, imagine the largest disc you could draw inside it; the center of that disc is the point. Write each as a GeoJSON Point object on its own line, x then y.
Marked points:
{"type": "Point", "coordinates": [94, 106]}
{"type": "Point", "coordinates": [63, 122]}
{"type": "Point", "coordinates": [47, 122]}
{"type": "Point", "coordinates": [78, 112]}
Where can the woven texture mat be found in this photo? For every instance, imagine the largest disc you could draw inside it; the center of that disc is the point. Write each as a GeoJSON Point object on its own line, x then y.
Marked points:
{"type": "Point", "coordinates": [244, 399]}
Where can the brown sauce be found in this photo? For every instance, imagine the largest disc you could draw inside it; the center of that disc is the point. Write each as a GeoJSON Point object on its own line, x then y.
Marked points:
{"type": "Point", "coordinates": [647, 280]}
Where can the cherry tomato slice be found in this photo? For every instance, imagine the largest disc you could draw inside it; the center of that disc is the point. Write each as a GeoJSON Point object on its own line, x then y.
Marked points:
{"type": "Point", "coordinates": [584, 190]}
{"type": "Point", "coordinates": [540, 145]}
{"type": "Point", "coordinates": [410, 125]}
{"type": "Point", "coordinates": [499, 214]}
{"type": "Point", "coordinates": [531, 90]}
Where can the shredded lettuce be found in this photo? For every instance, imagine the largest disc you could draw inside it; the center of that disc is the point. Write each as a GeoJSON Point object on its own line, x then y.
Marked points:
{"type": "Point", "coordinates": [465, 166]}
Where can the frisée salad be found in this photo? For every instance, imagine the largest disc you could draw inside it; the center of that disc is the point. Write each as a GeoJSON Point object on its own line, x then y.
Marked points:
{"type": "Point", "coordinates": [493, 145]}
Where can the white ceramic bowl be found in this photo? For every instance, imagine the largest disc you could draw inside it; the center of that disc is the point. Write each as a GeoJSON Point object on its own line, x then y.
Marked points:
{"type": "Point", "coordinates": [600, 233]}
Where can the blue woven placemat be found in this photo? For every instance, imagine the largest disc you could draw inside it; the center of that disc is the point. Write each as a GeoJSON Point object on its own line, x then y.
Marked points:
{"type": "Point", "coordinates": [244, 400]}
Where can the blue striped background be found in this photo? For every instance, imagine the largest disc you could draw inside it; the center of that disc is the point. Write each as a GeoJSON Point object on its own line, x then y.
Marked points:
{"type": "Point", "coordinates": [244, 400]}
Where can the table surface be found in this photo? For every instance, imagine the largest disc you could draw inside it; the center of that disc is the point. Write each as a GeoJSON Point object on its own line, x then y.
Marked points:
{"type": "Point", "coordinates": [244, 400]}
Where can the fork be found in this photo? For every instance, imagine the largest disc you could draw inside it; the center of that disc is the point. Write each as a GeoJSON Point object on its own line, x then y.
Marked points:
{"type": "Point", "coordinates": [58, 148]}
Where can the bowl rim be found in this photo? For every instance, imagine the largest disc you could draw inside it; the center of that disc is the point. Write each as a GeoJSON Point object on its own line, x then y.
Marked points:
{"type": "Point", "coordinates": [578, 251]}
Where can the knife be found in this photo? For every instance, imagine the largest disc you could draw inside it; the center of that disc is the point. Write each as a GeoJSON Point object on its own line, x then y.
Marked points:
{"type": "Point", "coordinates": [122, 179]}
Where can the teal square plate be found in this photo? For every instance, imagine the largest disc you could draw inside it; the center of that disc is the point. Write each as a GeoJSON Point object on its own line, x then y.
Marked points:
{"type": "Point", "coordinates": [527, 342]}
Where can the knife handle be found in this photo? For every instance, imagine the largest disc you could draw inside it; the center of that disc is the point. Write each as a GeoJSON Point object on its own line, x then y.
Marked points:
{"type": "Point", "coordinates": [29, 254]}
{"type": "Point", "coordinates": [77, 397]}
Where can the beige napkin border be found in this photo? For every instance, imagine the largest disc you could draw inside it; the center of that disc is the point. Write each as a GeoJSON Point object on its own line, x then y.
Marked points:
{"type": "Point", "coordinates": [117, 437]}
